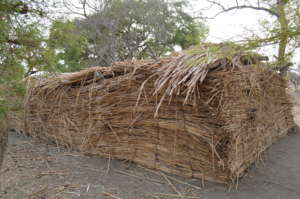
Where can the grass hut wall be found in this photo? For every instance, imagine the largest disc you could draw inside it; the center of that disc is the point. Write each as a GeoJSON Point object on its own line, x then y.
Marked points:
{"type": "Point", "coordinates": [208, 112]}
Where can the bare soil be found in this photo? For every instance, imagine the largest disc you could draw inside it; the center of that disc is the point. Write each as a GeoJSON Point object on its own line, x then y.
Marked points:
{"type": "Point", "coordinates": [35, 169]}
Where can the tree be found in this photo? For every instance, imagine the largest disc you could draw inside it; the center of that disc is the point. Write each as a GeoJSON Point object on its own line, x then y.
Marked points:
{"type": "Point", "coordinates": [67, 47]}
{"type": "Point", "coordinates": [282, 28]}
{"type": "Point", "coordinates": [21, 37]}
{"type": "Point", "coordinates": [20, 45]}
{"type": "Point", "coordinates": [126, 29]}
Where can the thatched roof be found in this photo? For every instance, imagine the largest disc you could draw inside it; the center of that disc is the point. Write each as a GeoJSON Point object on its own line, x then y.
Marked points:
{"type": "Point", "coordinates": [184, 69]}
{"type": "Point", "coordinates": [180, 72]}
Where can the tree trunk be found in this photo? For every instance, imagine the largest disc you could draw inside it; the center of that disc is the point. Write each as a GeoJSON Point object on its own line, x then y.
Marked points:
{"type": "Point", "coordinates": [283, 37]}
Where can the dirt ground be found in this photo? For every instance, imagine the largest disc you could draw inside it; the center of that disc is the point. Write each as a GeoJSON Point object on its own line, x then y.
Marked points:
{"type": "Point", "coordinates": [34, 169]}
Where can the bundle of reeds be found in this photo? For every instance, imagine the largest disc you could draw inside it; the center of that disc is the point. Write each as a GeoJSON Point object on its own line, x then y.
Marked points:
{"type": "Point", "coordinates": [208, 112]}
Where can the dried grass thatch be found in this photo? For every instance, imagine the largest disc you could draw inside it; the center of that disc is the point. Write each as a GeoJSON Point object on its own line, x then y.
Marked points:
{"type": "Point", "coordinates": [208, 112]}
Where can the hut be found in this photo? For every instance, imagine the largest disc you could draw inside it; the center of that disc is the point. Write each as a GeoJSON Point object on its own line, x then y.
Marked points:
{"type": "Point", "coordinates": [208, 112]}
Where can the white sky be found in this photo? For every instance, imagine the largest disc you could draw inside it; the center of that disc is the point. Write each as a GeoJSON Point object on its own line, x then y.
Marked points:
{"type": "Point", "coordinates": [231, 25]}
{"type": "Point", "coordinates": [234, 25]}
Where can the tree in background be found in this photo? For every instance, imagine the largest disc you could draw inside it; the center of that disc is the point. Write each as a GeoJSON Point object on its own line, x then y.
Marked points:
{"type": "Point", "coordinates": [20, 36]}
{"type": "Point", "coordinates": [294, 78]}
{"type": "Point", "coordinates": [126, 29]}
{"type": "Point", "coordinates": [282, 28]}
{"type": "Point", "coordinates": [67, 47]}
{"type": "Point", "coordinates": [21, 42]}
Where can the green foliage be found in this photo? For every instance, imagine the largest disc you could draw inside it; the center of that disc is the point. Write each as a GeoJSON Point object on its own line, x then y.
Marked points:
{"type": "Point", "coordinates": [67, 47]}
{"type": "Point", "coordinates": [217, 51]}
{"type": "Point", "coordinates": [283, 30]}
{"type": "Point", "coordinates": [20, 47]}
{"type": "Point", "coordinates": [126, 29]}
{"type": "Point", "coordinates": [3, 109]}
{"type": "Point", "coordinates": [11, 97]}
{"type": "Point", "coordinates": [205, 53]}
{"type": "Point", "coordinates": [190, 34]}
{"type": "Point", "coordinates": [20, 39]}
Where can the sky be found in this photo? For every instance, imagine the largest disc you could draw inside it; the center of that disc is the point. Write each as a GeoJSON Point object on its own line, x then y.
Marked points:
{"type": "Point", "coordinates": [228, 26]}
{"type": "Point", "coordinates": [234, 25]}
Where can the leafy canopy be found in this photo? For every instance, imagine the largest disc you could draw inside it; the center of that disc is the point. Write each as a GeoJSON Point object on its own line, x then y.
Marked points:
{"type": "Point", "coordinates": [127, 29]}
{"type": "Point", "coordinates": [67, 47]}
{"type": "Point", "coordinates": [20, 46]}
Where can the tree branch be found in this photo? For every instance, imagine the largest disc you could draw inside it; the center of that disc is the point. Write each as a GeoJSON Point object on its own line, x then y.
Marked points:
{"type": "Point", "coordinates": [217, 3]}
{"type": "Point", "coordinates": [294, 70]}
{"type": "Point", "coordinates": [13, 41]}
{"type": "Point", "coordinates": [20, 42]}
{"type": "Point", "coordinates": [271, 12]}
{"type": "Point", "coordinates": [84, 8]}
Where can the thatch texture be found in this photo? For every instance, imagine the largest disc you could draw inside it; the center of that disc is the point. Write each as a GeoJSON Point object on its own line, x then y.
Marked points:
{"type": "Point", "coordinates": [208, 112]}
{"type": "Point", "coordinates": [15, 117]}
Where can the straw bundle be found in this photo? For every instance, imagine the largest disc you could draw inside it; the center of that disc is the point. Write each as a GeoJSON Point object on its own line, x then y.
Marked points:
{"type": "Point", "coordinates": [208, 112]}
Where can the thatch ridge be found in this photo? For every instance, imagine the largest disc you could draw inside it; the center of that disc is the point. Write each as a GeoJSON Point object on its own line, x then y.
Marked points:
{"type": "Point", "coordinates": [186, 69]}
